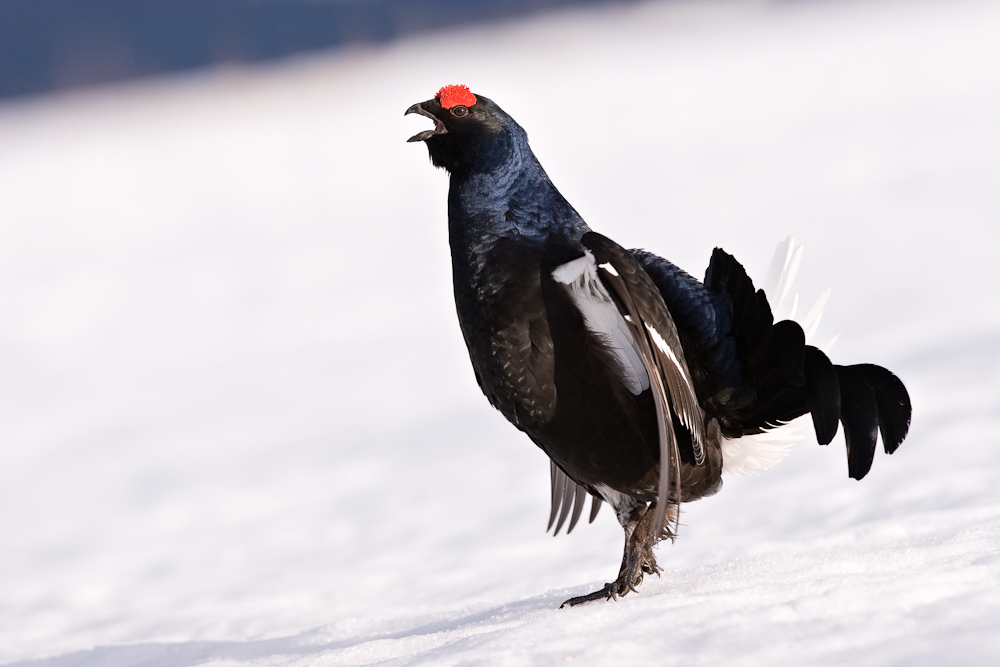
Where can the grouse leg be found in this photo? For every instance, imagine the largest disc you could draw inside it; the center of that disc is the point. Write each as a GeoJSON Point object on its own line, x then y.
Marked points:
{"type": "Point", "coordinates": [638, 558]}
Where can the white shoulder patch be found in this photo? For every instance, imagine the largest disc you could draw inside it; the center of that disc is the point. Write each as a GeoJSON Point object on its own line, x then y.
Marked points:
{"type": "Point", "coordinates": [602, 317]}
{"type": "Point", "coordinates": [752, 453]}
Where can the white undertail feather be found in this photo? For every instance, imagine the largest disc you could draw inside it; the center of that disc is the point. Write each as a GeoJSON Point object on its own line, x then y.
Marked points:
{"type": "Point", "coordinates": [810, 322]}
{"type": "Point", "coordinates": [752, 453]}
{"type": "Point", "coordinates": [780, 276]}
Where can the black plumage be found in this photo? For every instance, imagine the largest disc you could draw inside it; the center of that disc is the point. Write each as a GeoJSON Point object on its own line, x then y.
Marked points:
{"type": "Point", "coordinates": [625, 370]}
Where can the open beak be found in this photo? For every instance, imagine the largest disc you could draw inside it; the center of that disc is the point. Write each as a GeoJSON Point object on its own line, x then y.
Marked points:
{"type": "Point", "coordinates": [439, 127]}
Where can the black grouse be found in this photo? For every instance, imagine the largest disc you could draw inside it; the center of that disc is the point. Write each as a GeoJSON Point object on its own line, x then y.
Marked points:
{"type": "Point", "coordinates": [626, 371]}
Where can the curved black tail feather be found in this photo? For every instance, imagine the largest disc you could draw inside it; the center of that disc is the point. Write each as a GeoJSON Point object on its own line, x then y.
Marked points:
{"type": "Point", "coordinates": [872, 400]}
{"type": "Point", "coordinates": [784, 378]}
{"type": "Point", "coordinates": [893, 401]}
{"type": "Point", "coordinates": [824, 396]}
{"type": "Point", "coordinates": [859, 414]}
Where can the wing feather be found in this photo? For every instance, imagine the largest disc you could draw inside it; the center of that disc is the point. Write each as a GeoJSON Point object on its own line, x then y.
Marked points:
{"type": "Point", "coordinates": [653, 329]}
{"type": "Point", "coordinates": [554, 474]}
{"type": "Point", "coordinates": [595, 507]}
{"type": "Point", "coordinates": [564, 492]}
{"type": "Point", "coordinates": [578, 501]}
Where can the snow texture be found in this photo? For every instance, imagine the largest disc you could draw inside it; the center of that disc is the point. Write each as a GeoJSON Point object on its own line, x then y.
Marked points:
{"type": "Point", "coordinates": [238, 424]}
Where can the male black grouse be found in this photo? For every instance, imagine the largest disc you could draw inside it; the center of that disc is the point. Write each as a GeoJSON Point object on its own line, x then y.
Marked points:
{"type": "Point", "coordinates": [626, 371]}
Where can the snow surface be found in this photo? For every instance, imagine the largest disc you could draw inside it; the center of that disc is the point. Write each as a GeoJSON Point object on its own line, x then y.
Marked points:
{"type": "Point", "coordinates": [238, 425]}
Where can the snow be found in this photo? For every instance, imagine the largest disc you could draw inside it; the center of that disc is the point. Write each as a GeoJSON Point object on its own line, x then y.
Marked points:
{"type": "Point", "coordinates": [238, 425]}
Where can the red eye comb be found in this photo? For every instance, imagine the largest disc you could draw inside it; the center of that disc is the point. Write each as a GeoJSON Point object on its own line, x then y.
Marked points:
{"type": "Point", "coordinates": [453, 96]}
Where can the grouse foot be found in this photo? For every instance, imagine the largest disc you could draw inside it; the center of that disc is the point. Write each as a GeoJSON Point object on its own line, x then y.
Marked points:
{"type": "Point", "coordinates": [637, 561]}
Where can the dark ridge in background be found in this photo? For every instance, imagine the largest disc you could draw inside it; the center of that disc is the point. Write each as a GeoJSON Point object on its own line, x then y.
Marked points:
{"type": "Point", "coordinates": [49, 45]}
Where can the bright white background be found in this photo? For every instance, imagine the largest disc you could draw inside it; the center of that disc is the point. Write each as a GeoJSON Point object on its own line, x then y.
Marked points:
{"type": "Point", "coordinates": [237, 421]}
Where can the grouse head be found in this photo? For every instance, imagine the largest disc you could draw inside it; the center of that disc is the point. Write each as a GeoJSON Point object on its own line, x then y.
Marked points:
{"type": "Point", "coordinates": [470, 132]}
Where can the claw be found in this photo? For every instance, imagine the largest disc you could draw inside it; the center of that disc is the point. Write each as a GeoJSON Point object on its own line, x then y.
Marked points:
{"type": "Point", "coordinates": [606, 593]}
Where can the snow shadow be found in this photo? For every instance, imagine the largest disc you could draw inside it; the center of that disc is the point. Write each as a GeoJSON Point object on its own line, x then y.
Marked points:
{"type": "Point", "coordinates": [424, 636]}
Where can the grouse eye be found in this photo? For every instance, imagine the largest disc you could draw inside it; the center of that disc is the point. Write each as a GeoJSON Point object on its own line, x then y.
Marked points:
{"type": "Point", "coordinates": [459, 111]}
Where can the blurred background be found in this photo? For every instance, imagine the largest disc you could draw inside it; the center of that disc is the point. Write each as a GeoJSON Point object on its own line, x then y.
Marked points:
{"type": "Point", "coordinates": [56, 44]}
{"type": "Point", "coordinates": [238, 423]}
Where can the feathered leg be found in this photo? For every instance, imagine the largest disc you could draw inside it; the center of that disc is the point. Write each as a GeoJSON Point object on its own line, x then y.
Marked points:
{"type": "Point", "coordinates": [638, 559]}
